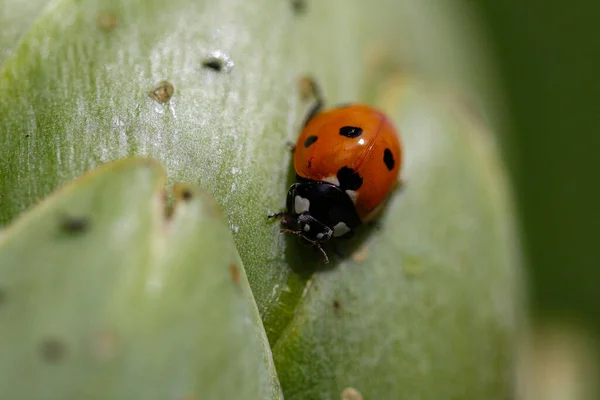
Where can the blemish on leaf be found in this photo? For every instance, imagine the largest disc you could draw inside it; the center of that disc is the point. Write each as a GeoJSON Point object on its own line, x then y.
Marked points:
{"type": "Point", "coordinates": [218, 61]}
{"type": "Point", "coordinates": [360, 255]}
{"type": "Point", "coordinates": [53, 350]}
{"type": "Point", "coordinates": [299, 6]}
{"type": "Point", "coordinates": [105, 346]}
{"type": "Point", "coordinates": [107, 21]}
{"type": "Point", "coordinates": [351, 394]}
{"type": "Point", "coordinates": [169, 211]}
{"type": "Point", "coordinates": [235, 272]}
{"type": "Point", "coordinates": [376, 56]}
{"type": "Point", "coordinates": [337, 306]}
{"type": "Point", "coordinates": [186, 194]}
{"type": "Point", "coordinates": [73, 224]}
{"type": "Point", "coordinates": [412, 266]}
{"type": "Point", "coordinates": [162, 92]}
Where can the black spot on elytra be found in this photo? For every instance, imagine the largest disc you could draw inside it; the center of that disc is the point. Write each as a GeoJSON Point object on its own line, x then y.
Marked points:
{"type": "Point", "coordinates": [349, 179]}
{"type": "Point", "coordinates": [388, 159]}
{"type": "Point", "coordinates": [351, 131]}
{"type": "Point", "coordinates": [310, 140]}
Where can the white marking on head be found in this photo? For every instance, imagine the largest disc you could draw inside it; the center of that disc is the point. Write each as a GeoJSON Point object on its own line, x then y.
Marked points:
{"type": "Point", "coordinates": [320, 236]}
{"type": "Point", "coordinates": [353, 195]}
{"type": "Point", "coordinates": [306, 228]}
{"type": "Point", "coordinates": [340, 229]}
{"type": "Point", "coordinates": [301, 204]}
{"type": "Point", "coordinates": [333, 180]}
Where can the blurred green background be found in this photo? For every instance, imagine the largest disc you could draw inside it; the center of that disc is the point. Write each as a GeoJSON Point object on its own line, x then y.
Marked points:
{"type": "Point", "coordinates": [548, 56]}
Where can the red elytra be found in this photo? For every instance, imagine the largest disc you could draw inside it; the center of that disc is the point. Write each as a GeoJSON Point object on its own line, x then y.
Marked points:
{"type": "Point", "coordinates": [360, 142]}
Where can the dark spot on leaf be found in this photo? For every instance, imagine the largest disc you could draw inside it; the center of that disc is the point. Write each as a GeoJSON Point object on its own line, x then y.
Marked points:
{"type": "Point", "coordinates": [349, 180]}
{"type": "Point", "coordinates": [217, 65]}
{"type": "Point", "coordinates": [27, 135]}
{"type": "Point", "coordinates": [299, 6]}
{"type": "Point", "coordinates": [186, 194]}
{"type": "Point", "coordinates": [310, 140]}
{"type": "Point", "coordinates": [388, 159]}
{"type": "Point", "coordinates": [162, 92]}
{"type": "Point", "coordinates": [53, 350]}
{"type": "Point", "coordinates": [351, 131]}
{"type": "Point", "coordinates": [218, 61]}
{"type": "Point", "coordinates": [235, 272]}
{"type": "Point", "coordinates": [71, 224]}
{"type": "Point", "coordinates": [105, 346]}
{"type": "Point", "coordinates": [337, 306]}
{"type": "Point", "coordinates": [107, 21]}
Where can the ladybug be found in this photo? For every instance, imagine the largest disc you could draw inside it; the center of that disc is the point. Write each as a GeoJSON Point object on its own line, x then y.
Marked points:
{"type": "Point", "coordinates": [347, 160]}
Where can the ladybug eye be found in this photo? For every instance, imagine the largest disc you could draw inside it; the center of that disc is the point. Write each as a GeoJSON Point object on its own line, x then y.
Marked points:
{"type": "Point", "coordinates": [351, 131]}
{"type": "Point", "coordinates": [388, 159]}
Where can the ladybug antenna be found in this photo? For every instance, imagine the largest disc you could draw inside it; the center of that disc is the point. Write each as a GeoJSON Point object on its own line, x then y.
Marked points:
{"type": "Point", "coordinates": [313, 242]}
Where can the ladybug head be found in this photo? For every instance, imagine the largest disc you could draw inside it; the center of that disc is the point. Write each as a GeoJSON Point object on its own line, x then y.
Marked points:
{"type": "Point", "coordinates": [318, 212]}
{"type": "Point", "coordinates": [312, 229]}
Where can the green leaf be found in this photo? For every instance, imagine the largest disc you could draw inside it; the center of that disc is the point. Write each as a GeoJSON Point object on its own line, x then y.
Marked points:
{"type": "Point", "coordinates": [16, 17]}
{"type": "Point", "coordinates": [426, 306]}
{"type": "Point", "coordinates": [81, 98]}
{"type": "Point", "coordinates": [446, 242]}
{"type": "Point", "coordinates": [101, 297]}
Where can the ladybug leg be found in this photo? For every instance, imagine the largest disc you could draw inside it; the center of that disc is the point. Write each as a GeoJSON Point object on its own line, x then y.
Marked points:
{"type": "Point", "coordinates": [276, 215]}
{"type": "Point", "coordinates": [318, 245]}
{"type": "Point", "coordinates": [309, 88]}
{"type": "Point", "coordinates": [314, 243]}
{"type": "Point", "coordinates": [315, 109]}
{"type": "Point", "coordinates": [291, 145]}
{"type": "Point", "coordinates": [286, 219]}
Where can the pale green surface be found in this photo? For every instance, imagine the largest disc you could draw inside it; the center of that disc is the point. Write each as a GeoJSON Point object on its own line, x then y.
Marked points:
{"type": "Point", "coordinates": [79, 99]}
{"type": "Point", "coordinates": [16, 17]}
{"type": "Point", "coordinates": [144, 307]}
{"type": "Point", "coordinates": [74, 95]}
